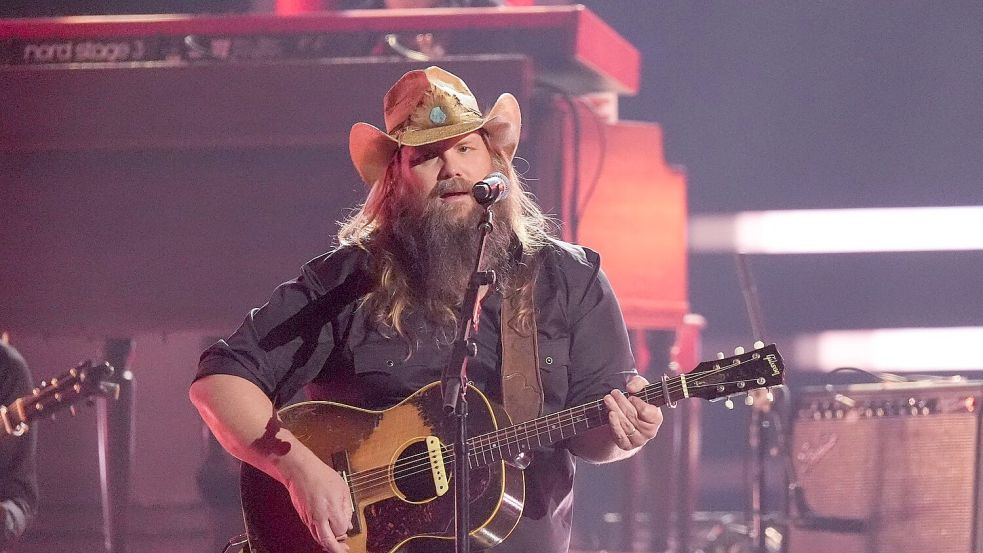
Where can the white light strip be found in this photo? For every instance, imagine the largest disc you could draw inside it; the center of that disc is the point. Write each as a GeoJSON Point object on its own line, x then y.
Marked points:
{"type": "Point", "coordinates": [895, 349]}
{"type": "Point", "coordinates": [840, 230]}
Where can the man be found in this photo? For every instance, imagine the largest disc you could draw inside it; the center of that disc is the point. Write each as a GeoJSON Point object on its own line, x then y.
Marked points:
{"type": "Point", "coordinates": [370, 322]}
{"type": "Point", "coordinates": [18, 477]}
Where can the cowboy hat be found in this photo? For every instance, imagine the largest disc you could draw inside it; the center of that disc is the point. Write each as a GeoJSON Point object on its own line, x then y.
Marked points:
{"type": "Point", "coordinates": [427, 106]}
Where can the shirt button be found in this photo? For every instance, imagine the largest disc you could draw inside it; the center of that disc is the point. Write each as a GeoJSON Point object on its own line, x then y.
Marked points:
{"type": "Point", "coordinates": [389, 363]}
{"type": "Point", "coordinates": [549, 360]}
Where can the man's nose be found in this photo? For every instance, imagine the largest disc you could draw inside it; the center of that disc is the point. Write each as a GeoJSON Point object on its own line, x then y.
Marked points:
{"type": "Point", "coordinates": [450, 167]}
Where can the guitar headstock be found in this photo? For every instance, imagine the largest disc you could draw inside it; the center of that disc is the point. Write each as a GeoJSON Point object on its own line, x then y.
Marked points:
{"type": "Point", "coordinates": [740, 373]}
{"type": "Point", "coordinates": [64, 391]}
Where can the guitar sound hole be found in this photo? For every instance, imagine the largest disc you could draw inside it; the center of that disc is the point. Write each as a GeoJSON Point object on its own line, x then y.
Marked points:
{"type": "Point", "coordinates": [412, 474]}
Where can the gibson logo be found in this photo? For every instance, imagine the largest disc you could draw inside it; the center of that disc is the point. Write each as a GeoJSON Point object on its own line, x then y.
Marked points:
{"type": "Point", "coordinates": [773, 363]}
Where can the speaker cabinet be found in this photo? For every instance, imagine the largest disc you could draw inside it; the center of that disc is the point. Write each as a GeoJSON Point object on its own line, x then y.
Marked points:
{"type": "Point", "coordinates": [888, 468]}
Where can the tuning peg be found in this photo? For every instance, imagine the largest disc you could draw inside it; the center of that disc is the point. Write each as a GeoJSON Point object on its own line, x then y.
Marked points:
{"type": "Point", "coordinates": [770, 396]}
{"type": "Point", "coordinates": [720, 355]}
{"type": "Point", "coordinates": [729, 403]}
{"type": "Point", "coordinates": [71, 409]}
{"type": "Point", "coordinates": [739, 350]}
{"type": "Point", "coordinates": [748, 400]}
{"type": "Point", "coordinates": [759, 344]}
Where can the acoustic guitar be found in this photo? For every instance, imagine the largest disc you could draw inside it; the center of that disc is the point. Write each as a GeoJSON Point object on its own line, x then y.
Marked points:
{"type": "Point", "coordinates": [398, 461]}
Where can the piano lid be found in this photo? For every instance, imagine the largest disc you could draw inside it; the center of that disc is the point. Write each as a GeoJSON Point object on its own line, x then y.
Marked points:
{"type": "Point", "coordinates": [571, 48]}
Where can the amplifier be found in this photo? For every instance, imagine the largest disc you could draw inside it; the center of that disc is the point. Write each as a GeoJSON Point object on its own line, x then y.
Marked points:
{"type": "Point", "coordinates": [887, 468]}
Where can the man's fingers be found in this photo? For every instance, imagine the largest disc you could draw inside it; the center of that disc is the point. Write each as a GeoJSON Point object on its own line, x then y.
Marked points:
{"type": "Point", "coordinates": [633, 422]}
{"type": "Point", "coordinates": [626, 407]}
{"type": "Point", "coordinates": [330, 543]}
{"type": "Point", "coordinates": [341, 519]}
{"type": "Point", "coordinates": [618, 424]}
{"type": "Point", "coordinates": [636, 383]}
{"type": "Point", "coordinates": [325, 537]}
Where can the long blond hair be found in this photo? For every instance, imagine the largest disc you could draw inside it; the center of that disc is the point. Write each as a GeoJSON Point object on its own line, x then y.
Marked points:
{"type": "Point", "coordinates": [391, 299]}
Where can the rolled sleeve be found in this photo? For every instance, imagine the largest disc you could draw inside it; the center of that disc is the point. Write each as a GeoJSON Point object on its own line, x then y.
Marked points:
{"type": "Point", "coordinates": [284, 345]}
{"type": "Point", "coordinates": [277, 344]}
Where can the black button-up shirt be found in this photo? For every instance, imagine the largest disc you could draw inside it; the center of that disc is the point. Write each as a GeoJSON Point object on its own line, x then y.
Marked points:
{"type": "Point", "coordinates": [312, 334]}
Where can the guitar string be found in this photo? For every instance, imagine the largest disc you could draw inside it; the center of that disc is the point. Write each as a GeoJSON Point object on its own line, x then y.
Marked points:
{"type": "Point", "coordinates": [529, 429]}
{"type": "Point", "coordinates": [536, 429]}
{"type": "Point", "coordinates": [653, 391]}
{"type": "Point", "coordinates": [407, 464]}
{"type": "Point", "coordinates": [419, 468]}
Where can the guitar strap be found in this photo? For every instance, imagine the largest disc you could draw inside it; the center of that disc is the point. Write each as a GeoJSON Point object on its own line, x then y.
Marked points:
{"type": "Point", "coordinates": [522, 385]}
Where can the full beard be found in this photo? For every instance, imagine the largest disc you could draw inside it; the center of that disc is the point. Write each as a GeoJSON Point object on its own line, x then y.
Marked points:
{"type": "Point", "coordinates": [436, 246]}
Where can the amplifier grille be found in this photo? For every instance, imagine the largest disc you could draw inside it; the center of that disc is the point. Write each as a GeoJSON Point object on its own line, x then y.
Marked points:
{"type": "Point", "coordinates": [904, 463]}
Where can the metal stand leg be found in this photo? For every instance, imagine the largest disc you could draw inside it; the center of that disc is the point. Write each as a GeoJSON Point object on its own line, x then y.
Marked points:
{"type": "Point", "coordinates": [116, 444]}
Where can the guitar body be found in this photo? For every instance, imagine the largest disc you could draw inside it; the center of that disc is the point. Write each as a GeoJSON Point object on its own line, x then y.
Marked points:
{"type": "Point", "coordinates": [397, 505]}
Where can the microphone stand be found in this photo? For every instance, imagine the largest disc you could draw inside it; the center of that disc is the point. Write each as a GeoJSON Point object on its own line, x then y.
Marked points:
{"type": "Point", "coordinates": [758, 421]}
{"type": "Point", "coordinates": [454, 383]}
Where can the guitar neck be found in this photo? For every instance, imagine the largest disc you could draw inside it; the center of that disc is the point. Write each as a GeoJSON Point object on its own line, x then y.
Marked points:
{"type": "Point", "coordinates": [711, 381]}
{"type": "Point", "coordinates": [549, 429]}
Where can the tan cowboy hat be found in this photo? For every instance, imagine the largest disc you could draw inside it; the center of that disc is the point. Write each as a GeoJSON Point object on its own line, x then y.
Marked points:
{"type": "Point", "coordinates": [426, 106]}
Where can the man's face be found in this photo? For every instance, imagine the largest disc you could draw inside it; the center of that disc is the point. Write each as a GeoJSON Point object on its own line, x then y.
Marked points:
{"type": "Point", "coordinates": [440, 175]}
{"type": "Point", "coordinates": [435, 221]}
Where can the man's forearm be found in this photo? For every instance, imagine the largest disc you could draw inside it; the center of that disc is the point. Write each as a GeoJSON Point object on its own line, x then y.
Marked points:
{"type": "Point", "coordinates": [596, 446]}
{"type": "Point", "coordinates": [244, 421]}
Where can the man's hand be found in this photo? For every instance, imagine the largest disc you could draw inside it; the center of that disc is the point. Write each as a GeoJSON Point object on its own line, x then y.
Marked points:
{"type": "Point", "coordinates": [322, 499]}
{"type": "Point", "coordinates": [633, 422]}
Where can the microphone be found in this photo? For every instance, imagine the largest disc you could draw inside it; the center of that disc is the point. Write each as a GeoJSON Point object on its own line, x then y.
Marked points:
{"type": "Point", "coordinates": [491, 189]}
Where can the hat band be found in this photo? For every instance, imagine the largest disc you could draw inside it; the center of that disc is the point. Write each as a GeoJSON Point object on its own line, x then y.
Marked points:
{"type": "Point", "coordinates": [437, 118]}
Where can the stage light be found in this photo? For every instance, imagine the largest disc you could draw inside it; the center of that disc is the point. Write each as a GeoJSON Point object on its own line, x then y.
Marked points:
{"type": "Point", "coordinates": [840, 230]}
{"type": "Point", "coordinates": [891, 349]}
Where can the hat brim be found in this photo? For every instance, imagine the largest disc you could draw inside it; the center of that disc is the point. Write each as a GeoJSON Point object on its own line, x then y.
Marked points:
{"type": "Point", "coordinates": [371, 149]}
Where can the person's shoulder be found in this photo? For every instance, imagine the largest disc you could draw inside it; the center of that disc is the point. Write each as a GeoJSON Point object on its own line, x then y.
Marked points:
{"type": "Point", "coordinates": [571, 257]}
{"type": "Point", "coordinates": [10, 358]}
{"type": "Point", "coordinates": [570, 268]}
{"type": "Point", "coordinates": [15, 379]}
{"type": "Point", "coordinates": [334, 267]}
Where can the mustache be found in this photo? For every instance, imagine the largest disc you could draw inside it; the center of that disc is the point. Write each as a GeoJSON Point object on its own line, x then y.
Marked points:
{"type": "Point", "coordinates": [452, 185]}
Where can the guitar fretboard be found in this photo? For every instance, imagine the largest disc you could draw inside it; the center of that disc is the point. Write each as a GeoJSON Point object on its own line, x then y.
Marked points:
{"type": "Point", "coordinates": [547, 430]}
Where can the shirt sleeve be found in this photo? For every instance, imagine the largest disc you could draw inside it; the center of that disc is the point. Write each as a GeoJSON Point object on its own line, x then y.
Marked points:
{"type": "Point", "coordinates": [600, 353]}
{"type": "Point", "coordinates": [18, 469]}
{"type": "Point", "coordinates": [284, 344]}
